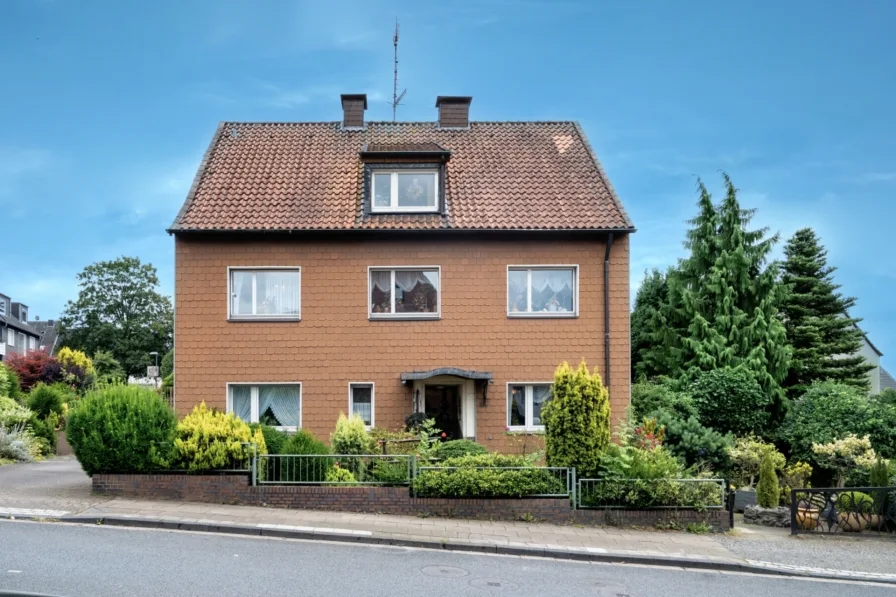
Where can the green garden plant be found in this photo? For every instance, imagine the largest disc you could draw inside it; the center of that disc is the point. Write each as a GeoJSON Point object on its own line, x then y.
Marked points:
{"type": "Point", "coordinates": [44, 400]}
{"type": "Point", "coordinates": [660, 395]}
{"type": "Point", "coordinates": [460, 447]}
{"type": "Point", "coordinates": [577, 420]}
{"type": "Point", "coordinates": [795, 476]}
{"type": "Point", "coordinates": [478, 476]}
{"type": "Point", "coordinates": [696, 445]}
{"type": "Point", "coordinates": [17, 443]}
{"type": "Point", "coordinates": [351, 437]}
{"type": "Point", "coordinates": [206, 440]}
{"type": "Point", "coordinates": [121, 429]}
{"type": "Point", "coordinates": [746, 457]}
{"type": "Point", "coordinates": [768, 492]}
{"type": "Point", "coordinates": [13, 386]}
{"type": "Point", "coordinates": [730, 400]}
{"type": "Point", "coordinates": [880, 473]}
{"type": "Point", "coordinates": [12, 413]}
{"type": "Point", "coordinates": [274, 439]}
{"type": "Point", "coordinates": [337, 474]}
{"type": "Point", "coordinates": [844, 455]}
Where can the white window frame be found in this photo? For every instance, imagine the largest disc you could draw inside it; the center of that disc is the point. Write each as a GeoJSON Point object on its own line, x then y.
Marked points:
{"type": "Point", "coordinates": [393, 314]}
{"type": "Point", "coordinates": [541, 314]}
{"type": "Point", "coordinates": [261, 268]}
{"type": "Point", "coordinates": [393, 200]}
{"type": "Point", "coordinates": [32, 343]}
{"type": "Point", "coordinates": [24, 314]}
{"type": "Point", "coordinates": [254, 414]}
{"type": "Point", "coordinates": [528, 427]}
{"type": "Point", "coordinates": [11, 337]}
{"type": "Point", "coordinates": [351, 399]}
{"type": "Point", "coordinates": [3, 307]}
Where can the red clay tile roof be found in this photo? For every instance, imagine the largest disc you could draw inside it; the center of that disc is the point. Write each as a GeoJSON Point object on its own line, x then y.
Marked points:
{"type": "Point", "coordinates": [309, 176]}
{"type": "Point", "coordinates": [402, 147]}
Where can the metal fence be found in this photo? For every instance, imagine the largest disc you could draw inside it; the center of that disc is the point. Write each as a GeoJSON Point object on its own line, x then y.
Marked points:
{"type": "Point", "coordinates": [245, 462]}
{"type": "Point", "coordinates": [867, 510]}
{"type": "Point", "coordinates": [529, 481]}
{"type": "Point", "coordinates": [642, 494]}
{"type": "Point", "coordinates": [336, 469]}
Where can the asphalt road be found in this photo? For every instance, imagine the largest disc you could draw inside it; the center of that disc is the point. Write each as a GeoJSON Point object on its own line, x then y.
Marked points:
{"type": "Point", "coordinates": [82, 561]}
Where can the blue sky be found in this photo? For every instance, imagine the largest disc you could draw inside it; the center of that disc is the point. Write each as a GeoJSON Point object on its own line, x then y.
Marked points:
{"type": "Point", "coordinates": [108, 106]}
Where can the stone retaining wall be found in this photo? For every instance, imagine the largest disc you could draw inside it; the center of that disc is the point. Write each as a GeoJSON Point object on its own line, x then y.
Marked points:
{"type": "Point", "coordinates": [236, 489]}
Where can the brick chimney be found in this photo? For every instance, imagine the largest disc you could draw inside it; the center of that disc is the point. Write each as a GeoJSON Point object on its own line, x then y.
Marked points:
{"type": "Point", "coordinates": [454, 111]}
{"type": "Point", "coordinates": [353, 106]}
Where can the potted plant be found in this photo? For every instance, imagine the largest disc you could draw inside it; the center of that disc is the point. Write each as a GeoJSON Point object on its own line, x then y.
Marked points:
{"type": "Point", "coordinates": [855, 511]}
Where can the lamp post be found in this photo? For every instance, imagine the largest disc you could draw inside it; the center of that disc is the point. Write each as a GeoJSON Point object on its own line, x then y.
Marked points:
{"type": "Point", "coordinates": [157, 376]}
{"type": "Point", "coordinates": [156, 355]}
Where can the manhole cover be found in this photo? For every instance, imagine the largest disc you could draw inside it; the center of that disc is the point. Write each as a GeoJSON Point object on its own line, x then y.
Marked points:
{"type": "Point", "coordinates": [494, 584]}
{"type": "Point", "coordinates": [608, 588]}
{"type": "Point", "coordinates": [445, 571]}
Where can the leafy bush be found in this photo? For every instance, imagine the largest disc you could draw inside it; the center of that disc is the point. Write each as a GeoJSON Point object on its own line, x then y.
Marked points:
{"type": "Point", "coordinates": [695, 444]}
{"type": "Point", "coordinates": [660, 395]}
{"type": "Point", "coordinates": [302, 442]}
{"type": "Point", "coordinates": [577, 420]}
{"type": "Point", "coordinates": [18, 443]}
{"type": "Point", "coordinates": [795, 476]}
{"type": "Point", "coordinates": [45, 430]}
{"type": "Point", "coordinates": [460, 447]}
{"type": "Point", "coordinates": [167, 367]}
{"type": "Point", "coordinates": [44, 400]}
{"type": "Point", "coordinates": [34, 367]}
{"type": "Point", "coordinates": [338, 474]}
{"type": "Point", "coordinates": [746, 457]}
{"type": "Point", "coordinates": [630, 462]}
{"type": "Point", "coordinates": [828, 411]}
{"type": "Point", "coordinates": [844, 455]}
{"type": "Point", "coordinates": [108, 369]}
{"type": "Point", "coordinates": [887, 397]}
{"type": "Point", "coordinates": [880, 473]}
{"type": "Point", "coordinates": [855, 501]}
{"type": "Point", "coordinates": [414, 421]}
{"type": "Point", "coordinates": [351, 437]}
{"type": "Point", "coordinates": [730, 400]}
{"type": "Point", "coordinates": [309, 470]}
{"type": "Point", "coordinates": [121, 429]}
{"type": "Point", "coordinates": [12, 413]}
{"type": "Point", "coordinates": [274, 439]}
{"type": "Point", "coordinates": [390, 472]}
{"type": "Point", "coordinates": [768, 492]}
{"type": "Point", "coordinates": [13, 386]}
{"type": "Point", "coordinates": [478, 475]}
{"type": "Point", "coordinates": [4, 382]}
{"type": "Point", "coordinates": [397, 442]}
{"type": "Point", "coordinates": [207, 440]}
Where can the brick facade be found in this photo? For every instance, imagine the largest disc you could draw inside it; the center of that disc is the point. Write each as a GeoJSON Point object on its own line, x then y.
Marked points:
{"type": "Point", "coordinates": [335, 343]}
{"type": "Point", "coordinates": [236, 490]}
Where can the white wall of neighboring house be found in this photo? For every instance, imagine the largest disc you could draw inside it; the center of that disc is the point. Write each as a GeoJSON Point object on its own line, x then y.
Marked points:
{"type": "Point", "coordinates": [873, 357]}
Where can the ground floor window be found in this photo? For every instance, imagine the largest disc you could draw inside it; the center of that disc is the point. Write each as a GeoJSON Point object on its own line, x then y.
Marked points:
{"type": "Point", "coordinates": [360, 401]}
{"type": "Point", "coordinates": [278, 405]}
{"type": "Point", "coordinates": [524, 403]}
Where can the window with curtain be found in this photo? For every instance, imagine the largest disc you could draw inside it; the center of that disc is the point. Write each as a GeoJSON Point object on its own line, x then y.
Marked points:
{"type": "Point", "coordinates": [10, 336]}
{"type": "Point", "coordinates": [404, 292]}
{"type": "Point", "coordinates": [277, 405]}
{"type": "Point", "coordinates": [524, 404]}
{"type": "Point", "coordinates": [410, 191]}
{"type": "Point", "coordinates": [271, 293]}
{"type": "Point", "coordinates": [361, 401]}
{"type": "Point", "coordinates": [541, 291]}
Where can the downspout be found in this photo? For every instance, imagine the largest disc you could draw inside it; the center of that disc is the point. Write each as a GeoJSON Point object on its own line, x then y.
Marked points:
{"type": "Point", "coordinates": [607, 311]}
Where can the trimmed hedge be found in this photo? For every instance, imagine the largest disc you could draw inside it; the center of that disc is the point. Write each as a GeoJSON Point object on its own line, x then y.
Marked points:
{"type": "Point", "coordinates": [460, 447]}
{"type": "Point", "coordinates": [120, 429]}
{"type": "Point", "coordinates": [470, 480]}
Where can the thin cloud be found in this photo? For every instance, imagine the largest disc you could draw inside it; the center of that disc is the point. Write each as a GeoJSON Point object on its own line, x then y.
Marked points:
{"type": "Point", "coordinates": [872, 177]}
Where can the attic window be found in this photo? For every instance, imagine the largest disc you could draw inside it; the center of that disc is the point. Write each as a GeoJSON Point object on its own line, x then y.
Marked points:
{"type": "Point", "coordinates": [405, 191]}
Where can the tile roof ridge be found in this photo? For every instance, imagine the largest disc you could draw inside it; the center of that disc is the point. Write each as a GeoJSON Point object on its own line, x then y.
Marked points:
{"type": "Point", "coordinates": [388, 122]}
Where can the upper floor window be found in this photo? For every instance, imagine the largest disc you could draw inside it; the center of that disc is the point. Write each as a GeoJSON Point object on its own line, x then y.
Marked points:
{"type": "Point", "coordinates": [272, 293]}
{"type": "Point", "coordinates": [404, 292]}
{"type": "Point", "coordinates": [277, 405]}
{"type": "Point", "coordinates": [542, 291]}
{"type": "Point", "coordinates": [24, 315]}
{"type": "Point", "coordinates": [405, 191]}
{"type": "Point", "coordinates": [2, 307]}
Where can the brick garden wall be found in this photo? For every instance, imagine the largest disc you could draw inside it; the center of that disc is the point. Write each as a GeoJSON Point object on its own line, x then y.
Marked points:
{"type": "Point", "coordinates": [235, 489]}
{"type": "Point", "coordinates": [335, 343]}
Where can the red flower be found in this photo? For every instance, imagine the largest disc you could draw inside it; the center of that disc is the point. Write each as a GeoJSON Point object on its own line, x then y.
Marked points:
{"type": "Point", "coordinates": [444, 434]}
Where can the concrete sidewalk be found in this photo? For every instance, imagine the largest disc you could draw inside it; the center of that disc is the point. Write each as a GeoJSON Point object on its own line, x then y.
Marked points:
{"type": "Point", "coordinates": [57, 490]}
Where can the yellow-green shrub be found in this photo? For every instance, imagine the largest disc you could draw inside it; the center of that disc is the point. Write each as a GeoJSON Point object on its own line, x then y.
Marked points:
{"type": "Point", "coordinates": [207, 440]}
{"type": "Point", "coordinates": [351, 437]}
{"type": "Point", "coordinates": [68, 357]}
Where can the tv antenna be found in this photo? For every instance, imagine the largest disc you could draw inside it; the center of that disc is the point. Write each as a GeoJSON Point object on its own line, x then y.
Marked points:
{"type": "Point", "coordinates": [396, 97]}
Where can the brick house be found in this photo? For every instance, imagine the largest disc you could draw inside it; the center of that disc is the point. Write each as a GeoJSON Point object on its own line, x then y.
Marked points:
{"type": "Point", "coordinates": [385, 268]}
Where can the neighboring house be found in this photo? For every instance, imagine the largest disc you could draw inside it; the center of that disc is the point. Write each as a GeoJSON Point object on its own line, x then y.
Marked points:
{"type": "Point", "coordinates": [887, 382]}
{"type": "Point", "coordinates": [49, 334]}
{"type": "Point", "coordinates": [386, 268]}
{"type": "Point", "coordinates": [872, 356]}
{"type": "Point", "coordinates": [16, 335]}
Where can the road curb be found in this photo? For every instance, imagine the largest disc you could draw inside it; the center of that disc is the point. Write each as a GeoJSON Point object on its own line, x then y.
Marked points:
{"type": "Point", "coordinates": [555, 552]}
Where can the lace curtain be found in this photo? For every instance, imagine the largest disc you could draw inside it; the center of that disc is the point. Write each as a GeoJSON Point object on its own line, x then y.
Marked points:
{"type": "Point", "coordinates": [361, 403]}
{"type": "Point", "coordinates": [241, 401]}
{"type": "Point", "coordinates": [277, 293]}
{"type": "Point", "coordinates": [551, 279]}
{"type": "Point", "coordinates": [406, 280]}
{"type": "Point", "coordinates": [283, 403]}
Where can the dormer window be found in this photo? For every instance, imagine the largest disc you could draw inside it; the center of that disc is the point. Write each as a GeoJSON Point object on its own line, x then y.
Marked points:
{"type": "Point", "coordinates": [405, 191]}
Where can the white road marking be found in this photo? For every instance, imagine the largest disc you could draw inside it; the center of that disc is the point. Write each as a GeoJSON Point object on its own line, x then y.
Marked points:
{"type": "Point", "coordinates": [9, 512]}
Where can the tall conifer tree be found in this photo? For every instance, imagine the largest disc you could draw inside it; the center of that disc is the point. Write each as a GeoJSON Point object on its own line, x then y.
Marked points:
{"type": "Point", "coordinates": [825, 339]}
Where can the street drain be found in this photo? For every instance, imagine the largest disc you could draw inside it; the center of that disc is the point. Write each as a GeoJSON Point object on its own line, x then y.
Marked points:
{"type": "Point", "coordinates": [444, 571]}
{"type": "Point", "coordinates": [493, 583]}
